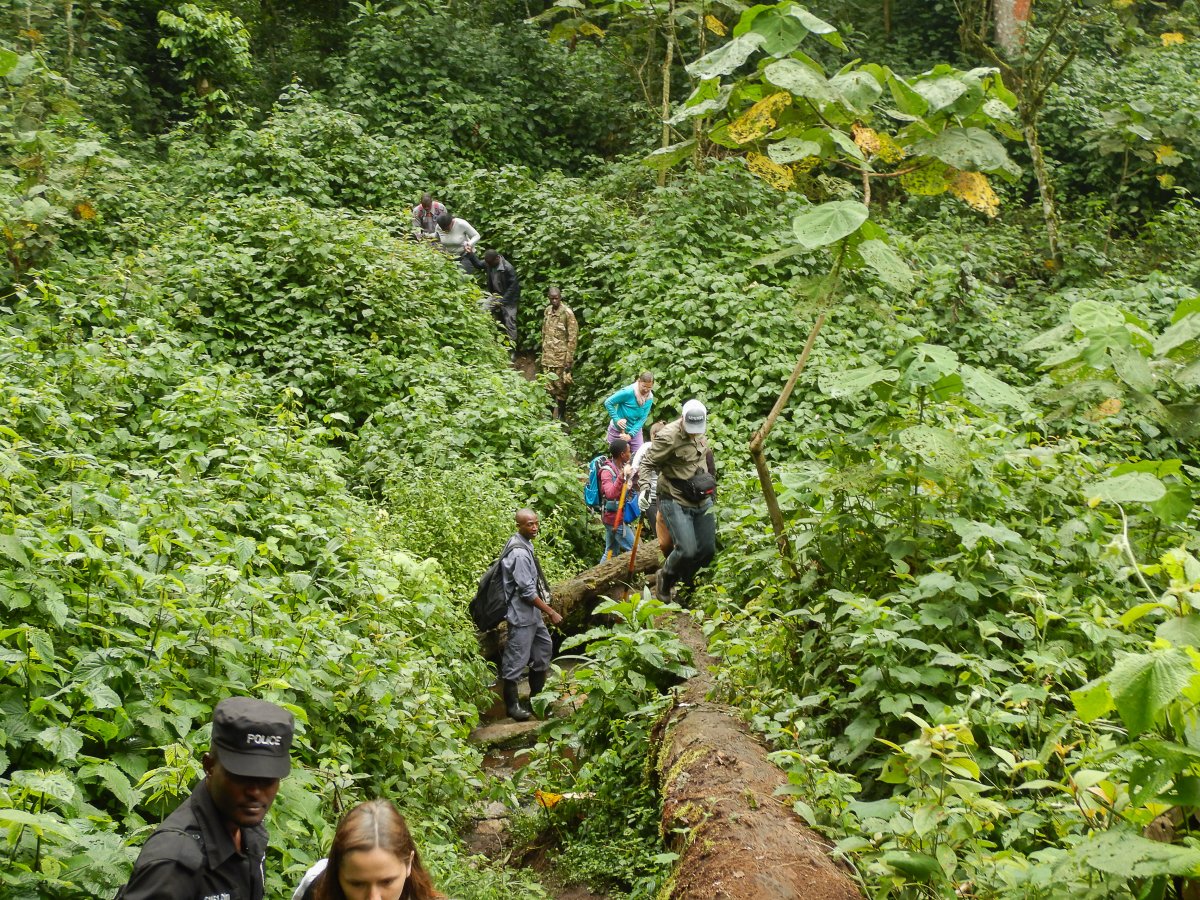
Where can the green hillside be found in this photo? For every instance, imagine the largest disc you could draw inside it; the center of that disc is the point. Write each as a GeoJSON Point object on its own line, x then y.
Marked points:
{"type": "Point", "coordinates": [254, 440]}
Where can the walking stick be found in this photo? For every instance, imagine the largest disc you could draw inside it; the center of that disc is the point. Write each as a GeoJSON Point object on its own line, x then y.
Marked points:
{"type": "Point", "coordinates": [619, 522]}
{"type": "Point", "coordinates": [637, 539]}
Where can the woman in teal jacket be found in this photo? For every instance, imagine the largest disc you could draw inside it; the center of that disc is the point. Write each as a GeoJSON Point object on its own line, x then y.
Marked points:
{"type": "Point", "coordinates": [628, 410]}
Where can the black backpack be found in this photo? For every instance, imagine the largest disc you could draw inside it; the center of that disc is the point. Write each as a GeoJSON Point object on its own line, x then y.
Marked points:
{"type": "Point", "coordinates": [490, 605]}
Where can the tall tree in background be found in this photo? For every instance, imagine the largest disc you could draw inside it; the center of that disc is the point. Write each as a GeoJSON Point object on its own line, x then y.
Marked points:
{"type": "Point", "coordinates": [1032, 52]}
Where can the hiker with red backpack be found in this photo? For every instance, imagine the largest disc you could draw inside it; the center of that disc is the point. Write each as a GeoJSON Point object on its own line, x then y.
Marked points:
{"type": "Point", "coordinates": [615, 473]}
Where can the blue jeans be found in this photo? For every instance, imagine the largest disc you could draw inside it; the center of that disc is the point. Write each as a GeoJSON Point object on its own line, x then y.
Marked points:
{"type": "Point", "coordinates": [618, 539]}
{"type": "Point", "coordinates": [694, 531]}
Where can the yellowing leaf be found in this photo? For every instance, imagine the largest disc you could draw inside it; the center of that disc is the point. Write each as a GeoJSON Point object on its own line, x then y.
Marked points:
{"type": "Point", "coordinates": [591, 29]}
{"type": "Point", "coordinates": [759, 118]}
{"type": "Point", "coordinates": [866, 139]}
{"type": "Point", "coordinates": [777, 176]}
{"type": "Point", "coordinates": [85, 210]}
{"type": "Point", "coordinates": [715, 25]}
{"type": "Point", "coordinates": [1170, 38]}
{"type": "Point", "coordinates": [927, 181]}
{"type": "Point", "coordinates": [1166, 179]}
{"type": "Point", "coordinates": [889, 151]}
{"type": "Point", "coordinates": [1162, 151]}
{"type": "Point", "coordinates": [973, 189]}
{"type": "Point", "coordinates": [546, 799]}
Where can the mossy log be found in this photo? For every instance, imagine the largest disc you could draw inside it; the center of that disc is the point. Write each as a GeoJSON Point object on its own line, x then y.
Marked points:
{"type": "Point", "coordinates": [574, 597]}
{"type": "Point", "coordinates": [736, 839]}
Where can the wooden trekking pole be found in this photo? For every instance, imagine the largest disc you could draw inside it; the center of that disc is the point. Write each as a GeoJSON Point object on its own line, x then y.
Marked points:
{"type": "Point", "coordinates": [637, 539]}
{"type": "Point", "coordinates": [619, 521]}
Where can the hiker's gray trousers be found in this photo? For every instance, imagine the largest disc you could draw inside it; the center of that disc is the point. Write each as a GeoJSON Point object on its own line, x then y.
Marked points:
{"type": "Point", "coordinates": [528, 645]}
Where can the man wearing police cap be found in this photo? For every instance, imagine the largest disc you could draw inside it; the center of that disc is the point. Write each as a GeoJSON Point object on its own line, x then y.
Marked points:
{"type": "Point", "coordinates": [213, 846]}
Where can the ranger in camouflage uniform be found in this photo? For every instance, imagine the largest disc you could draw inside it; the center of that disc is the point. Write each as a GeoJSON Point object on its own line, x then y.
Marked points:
{"type": "Point", "coordinates": [560, 332]}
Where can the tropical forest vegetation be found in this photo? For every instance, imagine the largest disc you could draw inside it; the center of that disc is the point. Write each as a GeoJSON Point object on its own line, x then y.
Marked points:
{"type": "Point", "coordinates": [932, 265]}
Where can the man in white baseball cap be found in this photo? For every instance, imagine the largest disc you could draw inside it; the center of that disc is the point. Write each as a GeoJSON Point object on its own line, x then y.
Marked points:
{"type": "Point", "coordinates": [686, 491]}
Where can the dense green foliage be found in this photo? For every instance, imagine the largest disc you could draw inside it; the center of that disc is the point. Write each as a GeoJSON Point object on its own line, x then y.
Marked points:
{"type": "Point", "coordinates": [252, 440]}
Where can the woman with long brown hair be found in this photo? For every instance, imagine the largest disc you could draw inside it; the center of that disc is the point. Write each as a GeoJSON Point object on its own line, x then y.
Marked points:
{"type": "Point", "coordinates": [373, 857]}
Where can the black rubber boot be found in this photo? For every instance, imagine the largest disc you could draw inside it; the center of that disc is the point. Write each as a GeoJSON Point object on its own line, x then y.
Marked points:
{"type": "Point", "coordinates": [512, 702]}
{"type": "Point", "coordinates": [537, 681]}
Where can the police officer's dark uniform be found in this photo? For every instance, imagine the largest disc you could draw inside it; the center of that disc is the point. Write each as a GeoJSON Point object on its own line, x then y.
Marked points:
{"type": "Point", "coordinates": [191, 856]}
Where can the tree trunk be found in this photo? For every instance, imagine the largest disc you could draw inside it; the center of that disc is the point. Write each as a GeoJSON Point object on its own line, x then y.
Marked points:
{"type": "Point", "coordinates": [736, 839]}
{"type": "Point", "coordinates": [668, 57]}
{"type": "Point", "coordinates": [1045, 188]}
{"type": "Point", "coordinates": [765, 479]}
{"type": "Point", "coordinates": [1010, 19]}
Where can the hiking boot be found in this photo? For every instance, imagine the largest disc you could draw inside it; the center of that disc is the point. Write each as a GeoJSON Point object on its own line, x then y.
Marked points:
{"type": "Point", "coordinates": [662, 588]}
{"type": "Point", "coordinates": [512, 702]}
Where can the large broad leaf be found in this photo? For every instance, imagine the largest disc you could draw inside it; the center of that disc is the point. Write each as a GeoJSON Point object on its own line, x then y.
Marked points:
{"type": "Point", "coordinates": [779, 255]}
{"type": "Point", "coordinates": [800, 80]}
{"type": "Point", "coordinates": [817, 26]}
{"type": "Point", "coordinates": [1182, 631]}
{"type": "Point", "coordinates": [908, 102]}
{"type": "Point", "coordinates": [1094, 315]}
{"type": "Point", "coordinates": [725, 59]}
{"type": "Point", "coordinates": [789, 150]}
{"type": "Point", "coordinates": [989, 390]}
{"type": "Point", "coordinates": [887, 264]}
{"type": "Point", "coordinates": [709, 104]}
{"type": "Point", "coordinates": [849, 382]}
{"type": "Point", "coordinates": [969, 149]}
{"type": "Point", "coordinates": [1132, 368]}
{"type": "Point", "coordinates": [1132, 487]}
{"type": "Point", "coordinates": [1093, 700]}
{"type": "Point", "coordinates": [859, 90]}
{"type": "Point", "coordinates": [665, 157]}
{"type": "Point", "coordinates": [781, 32]}
{"type": "Point", "coordinates": [1119, 851]}
{"type": "Point", "coordinates": [939, 92]}
{"type": "Point", "coordinates": [1142, 684]}
{"type": "Point", "coordinates": [829, 223]}
{"type": "Point", "coordinates": [1182, 332]}
{"type": "Point", "coordinates": [926, 364]}
{"type": "Point", "coordinates": [8, 61]}
{"type": "Point", "coordinates": [937, 448]}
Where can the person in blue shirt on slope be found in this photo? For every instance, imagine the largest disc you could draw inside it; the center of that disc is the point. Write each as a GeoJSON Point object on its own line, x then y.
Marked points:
{"type": "Point", "coordinates": [628, 410]}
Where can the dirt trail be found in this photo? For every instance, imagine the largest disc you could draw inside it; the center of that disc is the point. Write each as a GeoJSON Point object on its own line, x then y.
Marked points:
{"type": "Point", "coordinates": [526, 363]}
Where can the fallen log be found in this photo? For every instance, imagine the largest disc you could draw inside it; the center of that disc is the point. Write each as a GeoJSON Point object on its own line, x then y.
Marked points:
{"type": "Point", "coordinates": [735, 838]}
{"type": "Point", "coordinates": [573, 597]}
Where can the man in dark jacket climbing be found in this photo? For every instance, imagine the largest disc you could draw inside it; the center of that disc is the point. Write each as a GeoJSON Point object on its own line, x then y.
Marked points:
{"type": "Point", "coordinates": [502, 283]}
{"type": "Point", "coordinates": [686, 485]}
{"type": "Point", "coordinates": [214, 844]}
{"type": "Point", "coordinates": [528, 602]}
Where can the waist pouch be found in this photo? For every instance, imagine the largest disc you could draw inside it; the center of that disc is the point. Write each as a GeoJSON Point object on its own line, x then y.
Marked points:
{"type": "Point", "coordinates": [698, 488]}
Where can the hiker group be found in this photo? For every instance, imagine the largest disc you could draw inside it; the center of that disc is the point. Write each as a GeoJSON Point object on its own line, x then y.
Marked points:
{"type": "Point", "coordinates": [668, 481]}
{"type": "Point", "coordinates": [458, 238]}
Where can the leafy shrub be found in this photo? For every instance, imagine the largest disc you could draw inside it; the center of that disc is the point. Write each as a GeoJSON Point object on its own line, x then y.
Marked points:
{"type": "Point", "coordinates": [454, 413]}
{"type": "Point", "coordinates": [463, 514]}
{"type": "Point", "coordinates": [321, 301]}
{"type": "Point", "coordinates": [171, 537]}
{"type": "Point", "coordinates": [623, 672]}
{"type": "Point", "coordinates": [481, 89]}
{"type": "Point", "coordinates": [310, 151]}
